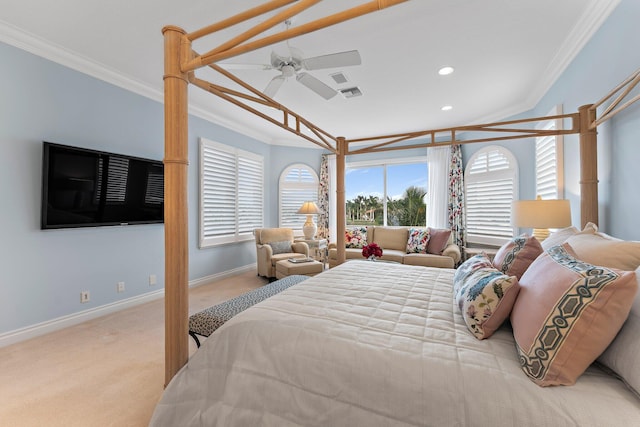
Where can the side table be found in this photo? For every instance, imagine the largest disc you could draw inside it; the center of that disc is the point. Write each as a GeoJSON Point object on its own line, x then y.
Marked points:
{"type": "Point", "coordinates": [319, 248]}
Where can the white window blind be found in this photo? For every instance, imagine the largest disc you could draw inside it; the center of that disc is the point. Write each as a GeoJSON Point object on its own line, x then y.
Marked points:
{"type": "Point", "coordinates": [491, 182]}
{"type": "Point", "coordinates": [549, 161]}
{"type": "Point", "coordinates": [231, 193]}
{"type": "Point", "coordinates": [298, 183]}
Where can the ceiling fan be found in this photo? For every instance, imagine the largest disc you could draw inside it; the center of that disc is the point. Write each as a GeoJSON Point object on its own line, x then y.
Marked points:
{"type": "Point", "coordinates": [295, 64]}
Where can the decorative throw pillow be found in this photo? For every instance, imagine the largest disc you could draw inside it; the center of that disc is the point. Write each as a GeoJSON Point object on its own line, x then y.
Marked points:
{"type": "Point", "coordinates": [567, 313]}
{"type": "Point", "coordinates": [418, 240]}
{"type": "Point", "coordinates": [485, 298]}
{"type": "Point", "coordinates": [515, 256]}
{"type": "Point", "coordinates": [623, 355]}
{"type": "Point", "coordinates": [355, 237]}
{"type": "Point", "coordinates": [560, 236]}
{"type": "Point", "coordinates": [438, 239]}
{"type": "Point", "coordinates": [468, 267]}
{"type": "Point", "coordinates": [602, 249]}
{"type": "Point", "coordinates": [280, 247]}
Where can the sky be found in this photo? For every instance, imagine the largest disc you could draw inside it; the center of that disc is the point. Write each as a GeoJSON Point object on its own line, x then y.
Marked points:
{"type": "Point", "coordinates": [370, 180]}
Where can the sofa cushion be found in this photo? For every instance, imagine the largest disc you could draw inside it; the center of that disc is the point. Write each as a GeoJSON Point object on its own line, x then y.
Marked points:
{"type": "Point", "coordinates": [428, 260]}
{"type": "Point", "coordinates": [567, 313]}
{"type": "Point", "coordinates": [438, 240]}
{"type": "Point", "coordinates": [515, 256]}
{"type": "Point", "coordinates": [485, 296]}
{"type": "Point", "coordinates": [393, 255]}
{"type": "Point", "coordinates": [391, 238]}
{"type": "Point", "coordinates": [417, 240]}
{"type": "Point", "coordinates": [355, 237]}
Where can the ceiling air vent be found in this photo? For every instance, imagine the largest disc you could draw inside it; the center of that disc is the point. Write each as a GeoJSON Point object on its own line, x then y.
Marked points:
{"type": "Point", "coordinates": [339, 78]}
{"type": "Point", "coordinates": [351, 92]}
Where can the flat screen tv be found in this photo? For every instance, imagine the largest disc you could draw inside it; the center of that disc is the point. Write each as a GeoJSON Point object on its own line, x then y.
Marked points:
{"type": "Point", "coordinates": [89, 188]}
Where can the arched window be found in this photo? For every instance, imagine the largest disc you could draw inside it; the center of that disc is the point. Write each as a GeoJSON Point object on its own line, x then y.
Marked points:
{"type": "Point", "coordinates": [491, 185]}
{"type": "Point", "coordinates": [298, 183]}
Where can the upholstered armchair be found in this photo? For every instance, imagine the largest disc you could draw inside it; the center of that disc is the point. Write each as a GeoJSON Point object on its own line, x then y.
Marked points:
{"type": "Point", "coordinates": [276, 244]}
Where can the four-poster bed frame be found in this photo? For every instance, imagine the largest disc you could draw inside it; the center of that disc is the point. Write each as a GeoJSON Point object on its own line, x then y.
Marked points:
{"type": "Point", "coordinates": [181, 61]}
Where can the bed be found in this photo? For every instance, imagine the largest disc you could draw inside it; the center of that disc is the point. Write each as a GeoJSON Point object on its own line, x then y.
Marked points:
{"type": "Point", "coordinates": [372, 343]}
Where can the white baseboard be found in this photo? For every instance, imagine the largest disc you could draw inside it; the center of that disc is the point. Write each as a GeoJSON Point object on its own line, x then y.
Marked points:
{"type": "Point", "coordinates": [48, 326]}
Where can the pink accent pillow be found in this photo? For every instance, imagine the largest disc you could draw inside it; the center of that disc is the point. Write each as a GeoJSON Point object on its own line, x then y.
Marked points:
{"type": "Point", "coordinates": [438, 239]}
{"type": "Point", "coordinates": [566, 314]}
{"type": "Point", "coordinates": [484, 295]}
{"type": "Point", "coordinates": [515, 256]}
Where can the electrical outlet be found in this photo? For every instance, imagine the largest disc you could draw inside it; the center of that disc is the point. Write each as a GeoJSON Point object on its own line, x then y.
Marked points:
{"type": "Point", "coordinates": [84, 296]}
{"type": "Point", "coordinates": [120, 287]}
{"type": "Point", "coordinates": [152, 280]}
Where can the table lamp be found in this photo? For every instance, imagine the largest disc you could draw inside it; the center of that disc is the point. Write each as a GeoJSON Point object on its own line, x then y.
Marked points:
{"type": "Point", "coordinates": [309, 228]}
{"type": "Point", "coordinates": [541, 215]}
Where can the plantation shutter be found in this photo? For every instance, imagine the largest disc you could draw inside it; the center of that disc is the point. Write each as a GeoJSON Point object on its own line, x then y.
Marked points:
{"type": "Point", "coordinates": [549, 161]}
{"type": "Point", "coordinates": [298, 183]}
{"type": "Point", "coordinates": [491, 183]}
{"type": "Point", "coordinates": [231, 193]}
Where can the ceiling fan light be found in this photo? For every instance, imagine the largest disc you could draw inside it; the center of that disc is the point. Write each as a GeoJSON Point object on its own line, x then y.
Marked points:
{"type": "Point", "coordinates": [445, 71]}
{"type": "Point", "coordinates": [288, 70]}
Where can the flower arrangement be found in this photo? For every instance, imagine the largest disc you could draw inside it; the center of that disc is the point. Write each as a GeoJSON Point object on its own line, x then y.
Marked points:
{"type": "Point", "coordinates": [371, 251]}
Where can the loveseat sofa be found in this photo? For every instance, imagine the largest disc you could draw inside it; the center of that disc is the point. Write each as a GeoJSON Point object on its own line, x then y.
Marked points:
{"type": "Point", "coordinates": [441, 253]}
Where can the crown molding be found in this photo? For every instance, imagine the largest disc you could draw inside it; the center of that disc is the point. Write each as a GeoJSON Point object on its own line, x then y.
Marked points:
{"type": "Point", "coordinates": [585, 28]}
{"type": "Point", "coordinates": [33, 44]}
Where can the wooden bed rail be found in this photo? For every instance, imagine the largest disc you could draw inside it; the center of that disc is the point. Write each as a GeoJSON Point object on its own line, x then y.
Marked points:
{"type": "Point", "coordinates": [181, 62]}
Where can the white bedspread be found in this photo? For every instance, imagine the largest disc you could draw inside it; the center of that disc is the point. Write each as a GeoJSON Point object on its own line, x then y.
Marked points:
{"type": "Point", "coordinates": [374, 344]}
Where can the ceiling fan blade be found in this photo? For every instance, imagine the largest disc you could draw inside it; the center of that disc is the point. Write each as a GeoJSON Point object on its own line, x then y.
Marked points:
{"type": "Point", "coordinates": [316, 85]}
{"type": "Point", "coordinates": [232, 66]}
{"type": "Point", "coordinates": [273, 86]}
{"type": "Point", "coordinates": [334, 60]}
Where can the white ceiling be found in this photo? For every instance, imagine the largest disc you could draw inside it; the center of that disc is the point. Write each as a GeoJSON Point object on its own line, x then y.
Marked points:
{"type": "Point", "coordinates": [506, 54]}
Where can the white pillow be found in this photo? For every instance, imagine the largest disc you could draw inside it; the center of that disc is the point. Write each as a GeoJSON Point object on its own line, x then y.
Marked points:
{"type": "Point", "coordinates": [623, 354]}
{"type": "Point", "coordinates": [561, 236]}
{"type": "Point", "coordinates": [601, 249]}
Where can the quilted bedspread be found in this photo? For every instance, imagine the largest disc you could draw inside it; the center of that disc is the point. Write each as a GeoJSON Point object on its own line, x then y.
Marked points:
{"type": "Point", "coordinates": [375, 344]}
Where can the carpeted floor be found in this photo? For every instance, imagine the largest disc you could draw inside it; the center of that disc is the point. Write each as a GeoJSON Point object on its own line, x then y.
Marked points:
{"type": "Point", "coordinates": [105, 372]}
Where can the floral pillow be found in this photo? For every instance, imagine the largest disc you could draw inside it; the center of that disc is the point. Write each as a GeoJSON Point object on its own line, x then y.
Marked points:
{"type": "Point", "coordinates": [355, 237]}
{"type": "Point", "coordinates": [485, 298]}
{"type": "Point", "coordinates": [515, 256]}
{"type": "Point", "coordinates": [418, 241]}
{"type": "Point", "coordinates": [468, 267]}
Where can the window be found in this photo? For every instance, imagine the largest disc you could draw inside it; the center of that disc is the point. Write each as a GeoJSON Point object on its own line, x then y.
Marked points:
{"type": "Point", "coordinates": [390, 193]}
{"type": "Point", "coordinates": [231, 193]}
{"type": "Point", "coordinates": [491, 183]}
{"type": "Point", "coordinates": [549, 182]}
{"type": "Point", "coordinates": [298, 183]}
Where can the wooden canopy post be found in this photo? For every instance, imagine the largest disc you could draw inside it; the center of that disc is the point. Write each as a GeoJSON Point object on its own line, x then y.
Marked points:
{"type": "Point", "coordinates": [588, 166]}
{"type": "Point", "coordinates": [177, 48]}
{"type": "Point", "coordinates": [340, 198]}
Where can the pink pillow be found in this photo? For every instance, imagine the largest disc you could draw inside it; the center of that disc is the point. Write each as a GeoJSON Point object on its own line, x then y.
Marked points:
{"type": "Point", "coordinates": [438, 239]}
{"type": "Point", "coordinates": [515, 256]}
{"type": "Point", "coordinates": [566, 314]}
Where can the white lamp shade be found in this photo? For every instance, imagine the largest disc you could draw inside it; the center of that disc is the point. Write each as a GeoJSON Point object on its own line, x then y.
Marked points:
{"type": "Point", "coordinates": [541, 213]}
{"type": "Point", "coordinates": [308, 208]}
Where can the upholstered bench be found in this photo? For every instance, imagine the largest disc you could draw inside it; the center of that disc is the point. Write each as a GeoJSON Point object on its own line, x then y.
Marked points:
{"type": "Point", "coordinates": [286, 268]}
{"type": "Point", "coordinates": [205, 322]}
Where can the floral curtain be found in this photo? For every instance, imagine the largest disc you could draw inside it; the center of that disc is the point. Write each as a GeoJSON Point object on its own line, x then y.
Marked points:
{"type": "Point", "coordinates": [456, 197]}
{"type": "Point", "coordinates": [323, 199]}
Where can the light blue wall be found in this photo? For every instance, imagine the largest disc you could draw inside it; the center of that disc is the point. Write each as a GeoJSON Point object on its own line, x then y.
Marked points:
{"type": "Point", "coordinates": [43, 272]}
